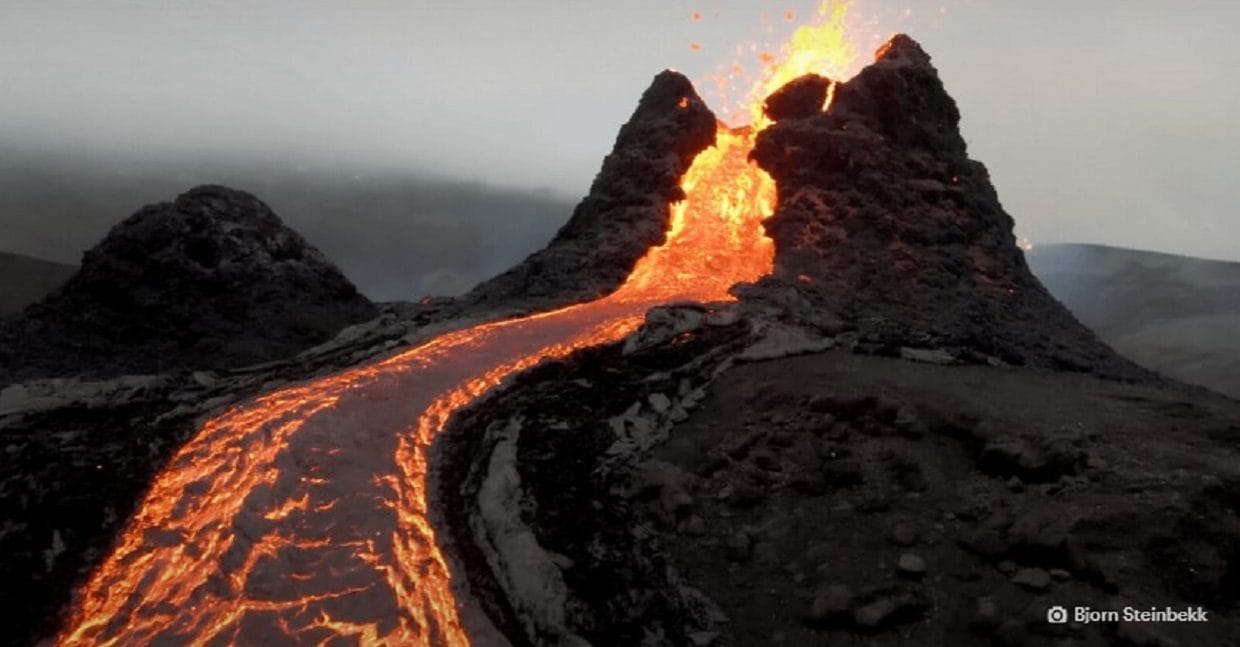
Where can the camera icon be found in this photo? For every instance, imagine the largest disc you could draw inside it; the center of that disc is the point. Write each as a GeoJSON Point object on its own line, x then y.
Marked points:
{"type": "Point", "coordinates": [1057, 615]}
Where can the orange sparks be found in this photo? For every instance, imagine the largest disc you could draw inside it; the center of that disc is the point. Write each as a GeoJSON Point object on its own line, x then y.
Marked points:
{"type": "Point", "coordinates": [823, 47]}
{"type": "Point", "coordinates": [827, 46]}
{"type": "Point", "coordinates": [302, 515]}
{"type": "Point", "coordinates": [695, 47]}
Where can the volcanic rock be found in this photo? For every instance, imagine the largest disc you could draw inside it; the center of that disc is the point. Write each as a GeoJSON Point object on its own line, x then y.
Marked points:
{"type": "Point", "coordinates": [1032, 578]}
{"type": "Point", "coordinates": [884, 220]}
{"type": "Point", "coordinates": [889, 609]}
{"type": "Point", "coordinates": [800, 97]}
{"type": "Point", "coordinates": [911, 565]}
{"type": "Point", "coordinates": [626, 211]}
{"type": "Point", "coordinates": [831, 603]}
{"type": "Point", "coordinates": [212, 280]}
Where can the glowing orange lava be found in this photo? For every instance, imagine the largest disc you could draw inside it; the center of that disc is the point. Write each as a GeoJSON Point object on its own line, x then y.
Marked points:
{"type": "Point", "coordinates": [301, 516]}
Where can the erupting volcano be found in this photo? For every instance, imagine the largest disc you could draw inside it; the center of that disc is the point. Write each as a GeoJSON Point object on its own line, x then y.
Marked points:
{"type": "Point", "coordinates": [303, 515]}
{"type": "Point", "coordinates": [786, 380]}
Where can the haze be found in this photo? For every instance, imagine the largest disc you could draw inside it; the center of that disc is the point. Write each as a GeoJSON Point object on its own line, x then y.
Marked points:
{"type": "Point", "coordinates": [1107, 122]}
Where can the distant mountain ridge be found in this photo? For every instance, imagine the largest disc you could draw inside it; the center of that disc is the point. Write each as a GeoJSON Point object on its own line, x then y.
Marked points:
{"type": "Point", "coordinates": [1175, 314]}
{"type": "Point", "coordinates": [26, 279]}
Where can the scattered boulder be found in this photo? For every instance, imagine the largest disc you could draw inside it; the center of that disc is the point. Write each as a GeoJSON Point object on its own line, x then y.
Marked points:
{"type": "Point", "coordinates": [1041, 535]}
{"type": "Point", "coordinates": [1039, 460]}
{"type": "Point", "coordinates": [911, 565]}
{"type": "Point", "coordinates": [1034, 579]}
{"type": "Point", "coordinates": [665, 488]}
{"type": "Point", "coordinates": [887, 609]}
{"type": "Point", "coordinates": [832, 603]}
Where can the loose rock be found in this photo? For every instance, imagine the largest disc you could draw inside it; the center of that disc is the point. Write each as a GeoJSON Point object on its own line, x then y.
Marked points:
{"type": "Point", "coordinates": [911, 565]}
{"type": "Point", "coordinates": [1034, 579]}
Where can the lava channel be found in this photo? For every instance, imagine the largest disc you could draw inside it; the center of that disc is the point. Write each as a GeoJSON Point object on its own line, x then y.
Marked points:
{"type": "Point", "coordinates": [301, 516]}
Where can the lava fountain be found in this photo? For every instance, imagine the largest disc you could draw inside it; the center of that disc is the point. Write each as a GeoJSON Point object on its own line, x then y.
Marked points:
{"type": "Point", "coordinates": [301, 516]}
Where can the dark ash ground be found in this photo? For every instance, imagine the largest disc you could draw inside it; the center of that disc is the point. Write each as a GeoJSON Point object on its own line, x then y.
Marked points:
{"type": "Point", "coordinates": [837, 497]}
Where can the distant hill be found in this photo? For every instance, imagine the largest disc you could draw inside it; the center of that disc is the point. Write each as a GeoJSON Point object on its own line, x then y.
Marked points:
{"type": "Point", "coordinates": [1176, 314]}
{"type": "Point", "coordinates": [213, 279]}
{"type": "Point", "coordinates": [397, 236]}
{"type": "Point", "coordinates": [25, 279]}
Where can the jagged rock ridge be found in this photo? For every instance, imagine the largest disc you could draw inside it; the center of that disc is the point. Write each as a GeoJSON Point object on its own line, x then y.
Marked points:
{"type": "Point", "coordinates": [885, 222]}
{"type": "Point", "coordinates": [211, 280]}
{"type": "Point", "coordinates": [626, 211]}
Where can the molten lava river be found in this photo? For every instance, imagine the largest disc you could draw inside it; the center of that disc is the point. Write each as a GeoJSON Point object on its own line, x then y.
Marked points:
{"type": "Point", "coordinates": [301, 516]}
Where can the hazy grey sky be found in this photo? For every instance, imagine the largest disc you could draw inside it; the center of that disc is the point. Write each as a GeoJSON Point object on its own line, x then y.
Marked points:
{"type": "Point", "coordinates": [1101, 121]}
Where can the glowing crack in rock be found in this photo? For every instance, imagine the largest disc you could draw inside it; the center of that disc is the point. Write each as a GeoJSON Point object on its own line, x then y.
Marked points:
{"type": "Point", "coordinates": [301, 516]}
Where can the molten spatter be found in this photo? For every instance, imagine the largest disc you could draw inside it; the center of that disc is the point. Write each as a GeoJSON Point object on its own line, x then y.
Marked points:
{"type": "Point", "coordinates": [302, 515]}
{"type": "Point", "coordinates": [823, 47]}
{"type": "Point", "coordinates": [715, 238]}
{"type": "Point", "coordinates": [827, 46]}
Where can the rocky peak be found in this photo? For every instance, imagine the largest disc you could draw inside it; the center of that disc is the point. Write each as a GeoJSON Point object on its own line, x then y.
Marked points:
{"type": "Point", "coordinates": [885, 222]}
{"type": "Point", "coordinates": [901, 50]}
{"type": "Point", "coordinates": [900, 95]}
{"type": "Point", "coordinates": [221, 232]}
{"type": "Point", "coordinates": [213, 279]}
{"type": "Point", "coordinates": [800, 97]}
{"type": "Point", "coordinates": [626, 210]}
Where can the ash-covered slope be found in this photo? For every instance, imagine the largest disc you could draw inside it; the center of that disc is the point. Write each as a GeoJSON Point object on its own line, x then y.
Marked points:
{"type": "Point", "coordinates": [211, 280]}
{"type": "Point", "coordinates": [693, 487]}
{"type": "Point", "coordinates": [885, 222]}
{"type": "Point", "coordinates": [626, 211]}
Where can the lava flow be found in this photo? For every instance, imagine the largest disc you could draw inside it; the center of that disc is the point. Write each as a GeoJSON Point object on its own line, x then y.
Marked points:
{"type": "Point", "coordinates": [301, 516]}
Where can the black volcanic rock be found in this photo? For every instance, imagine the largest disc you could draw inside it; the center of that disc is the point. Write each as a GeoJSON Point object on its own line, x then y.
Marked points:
{"type": "Point", "coordinates": [212, 280]}
{"type": "Point", "coordinates": [626, 211]}
{"type": "Point", "coordinates": [884, 221]}
{"type": "Point", "coordinates": [800, 97]}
